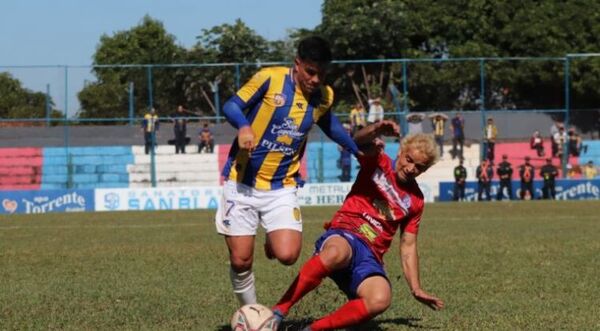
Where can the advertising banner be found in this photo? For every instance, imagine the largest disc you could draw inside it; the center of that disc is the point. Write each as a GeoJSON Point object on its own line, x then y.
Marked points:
{"type": "Point", "coordinates": [168, 198]}
{"type": "Point", "coordinates": [46, 201]}
{"type": "Point", "coordinates": [333, 194]}
{"type": "Point", "coordinates": [566, 189]}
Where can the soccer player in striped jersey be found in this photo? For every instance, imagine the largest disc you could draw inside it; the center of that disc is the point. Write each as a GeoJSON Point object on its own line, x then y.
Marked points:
{"type": "Point", "coordinates": [384, 198]}
{"type": "Point", "coordinates": [273, 113]}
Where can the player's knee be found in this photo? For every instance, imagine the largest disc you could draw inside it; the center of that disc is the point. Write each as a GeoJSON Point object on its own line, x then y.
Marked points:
{"type": "Point", "coordinates": [287, 257]}
{"type": "Point", "coordinates": [241, 264]}
{"type": "Point", "coordinates": [377, 303]}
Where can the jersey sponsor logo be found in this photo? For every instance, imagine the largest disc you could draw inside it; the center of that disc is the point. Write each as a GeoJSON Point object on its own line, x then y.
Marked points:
{"type": "Point", "coordinates": [279, 99]}
{"type": "Point", "coordinates": [275, 146]}
{"type": "Point", "coordinates": [368, 232]}
{"type": "Point", "coordinates": [373, 221]}
{"type": "Point", "coordinates": [387, 189]}
{"type": "Point", "coordinates": [287, 129]}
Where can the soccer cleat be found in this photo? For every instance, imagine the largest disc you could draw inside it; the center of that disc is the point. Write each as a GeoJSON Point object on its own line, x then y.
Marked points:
{"type": "Point", "coordinates": [279, 316]}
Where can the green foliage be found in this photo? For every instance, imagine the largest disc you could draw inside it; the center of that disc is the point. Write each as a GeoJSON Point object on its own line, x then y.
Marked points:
{"type": "Point", "coordinates": [19, 102]}
{"type": "Point", "coordinates": [373, 29]}
{"type": "Point", "coordinates": [147, 43]}
{"type": "Point", "coordinates": [534, 268]}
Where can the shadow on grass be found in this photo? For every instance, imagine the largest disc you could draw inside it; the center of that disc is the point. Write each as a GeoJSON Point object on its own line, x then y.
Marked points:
{"type": "Point", "coordinates": [376, 325]}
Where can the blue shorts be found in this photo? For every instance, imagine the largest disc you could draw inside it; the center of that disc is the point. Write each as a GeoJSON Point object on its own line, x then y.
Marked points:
{"type": "Point", "coordinates": [362, 266]}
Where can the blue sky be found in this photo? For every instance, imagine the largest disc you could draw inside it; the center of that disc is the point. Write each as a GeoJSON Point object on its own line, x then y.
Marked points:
{"type": "Point", "coordinates": [66, 32]}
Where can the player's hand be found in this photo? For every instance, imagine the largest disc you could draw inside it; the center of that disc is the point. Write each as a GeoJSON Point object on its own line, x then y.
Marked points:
{"type": "Point", "coordinates": [246, 138]}
{"type": "Point", "coordinates": [428, 300]}
{"type": "Point", "coordinates": [388, 128]}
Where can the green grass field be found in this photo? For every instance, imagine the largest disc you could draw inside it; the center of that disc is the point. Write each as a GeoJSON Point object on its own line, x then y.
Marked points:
{"type": "Point", "coordinates": [498, 266]}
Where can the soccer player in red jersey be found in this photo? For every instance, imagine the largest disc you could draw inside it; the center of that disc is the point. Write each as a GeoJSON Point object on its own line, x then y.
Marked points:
{"type": "Point", "coordinates": [384, 198]}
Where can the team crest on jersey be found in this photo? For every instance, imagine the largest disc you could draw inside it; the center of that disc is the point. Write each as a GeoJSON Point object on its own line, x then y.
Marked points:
{"type": "Point", "coordinates": [405, 202]}
{"type": "Point", "coordinates": [279, 99]}
{"type": "Point", "coordinates": [297, 215]}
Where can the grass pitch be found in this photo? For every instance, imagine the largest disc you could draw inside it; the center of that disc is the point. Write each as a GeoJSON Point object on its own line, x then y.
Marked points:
{"type": "Point", "coordinates": [498, 266]}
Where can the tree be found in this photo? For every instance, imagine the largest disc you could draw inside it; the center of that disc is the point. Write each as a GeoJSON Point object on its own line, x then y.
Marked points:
{"type": "Point", "coordinates": [372, 29]}
{"type": "Point", "coordinates": [19, 102]}
{"type": "Point", "coordinates": [145, 44]}
{"type": "Point", "coordinates": [227, 43]}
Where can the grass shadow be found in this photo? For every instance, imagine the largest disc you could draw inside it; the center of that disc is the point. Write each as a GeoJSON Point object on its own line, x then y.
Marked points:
{"type": "Point", "coordinates": [375, 325]}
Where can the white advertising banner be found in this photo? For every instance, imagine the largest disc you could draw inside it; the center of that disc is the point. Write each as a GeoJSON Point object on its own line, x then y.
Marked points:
{"type": "Point", "coordinates": [167, 198]}
{"type": "Point", "coordinates": [174, 198]}
{"type": "Point", "coordinates": [333, 194]}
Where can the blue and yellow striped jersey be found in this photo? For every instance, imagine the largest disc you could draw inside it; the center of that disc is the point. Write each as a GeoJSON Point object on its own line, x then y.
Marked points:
{"type": "Point", "coordinates": [281, 118]}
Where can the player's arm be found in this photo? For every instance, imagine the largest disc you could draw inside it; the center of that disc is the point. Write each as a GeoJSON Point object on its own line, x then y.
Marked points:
{"type": "Point", "coordinates": [334, 129]}
{"type": "Point", "coordinates": [410, 266]}
{"type": "Point", "coordinates": [368, 140]}
{"type": "Point", "coordinates": [251, 93]}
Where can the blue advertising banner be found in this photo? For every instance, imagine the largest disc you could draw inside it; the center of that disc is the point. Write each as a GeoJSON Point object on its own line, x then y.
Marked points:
{"type": "Point", "coordinates": [566, 189]}
{"type": "Point", "coordinates": [46, 201]}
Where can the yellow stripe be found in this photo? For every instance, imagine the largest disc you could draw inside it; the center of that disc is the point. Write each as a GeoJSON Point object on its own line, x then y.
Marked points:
{"type": "Point", "coordinates": [326, 102]}
{"type": "Point", "coordinates": [289, 180]}
{"type": "Point", "coordinates": [273, 159]}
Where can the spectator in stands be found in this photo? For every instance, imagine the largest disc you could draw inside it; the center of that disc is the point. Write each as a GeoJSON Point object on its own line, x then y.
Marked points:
{"type": "Point", "coordinates": [345, 160]}
{"type": "Point", "coordinates": [527, 174]}
{"type": "Point", "coordinates": [537, 142]}
{"type": "Point", "coordinates": [376, 111]}
{"type": "Point", "coordinates": [559, 139]}
{"type": "Point", "coordinates": [504, 171]}
{"type": "Point", "coordinates": [490, 132]}
{"type": "Point", "coordinates": [358, 117]}
{"type": "Point", "coordinates": [180, 129]}
{"type": "Point", "coordinates": [484, 175]}
{"type": "Point", "coordinates": [207, 141]}
{"type": "Point", "coordinates": [458, 135]}
{"type": "Point", "coordinates": [415, 123]}
{"type": "Point", "coordinates": [150, 126]}
{"type": "Point", "coordinates": [460, 181]}
{"type": "Point", "coordinates": [589, 170]}
{"type": "Point", "coordinates": [438, 122]}
{"type": "Point", "coordinates": [575, 146]}
{"type": "Point", "coordinates": [549, 173]}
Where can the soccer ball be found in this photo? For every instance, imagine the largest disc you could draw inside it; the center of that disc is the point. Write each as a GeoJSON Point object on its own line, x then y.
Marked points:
{"type": "Point", "coordinates": [253, 317]}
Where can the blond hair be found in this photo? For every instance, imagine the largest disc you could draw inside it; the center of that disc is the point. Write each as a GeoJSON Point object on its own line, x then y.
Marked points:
{"type": "Point", "coordinates": [424, 143]}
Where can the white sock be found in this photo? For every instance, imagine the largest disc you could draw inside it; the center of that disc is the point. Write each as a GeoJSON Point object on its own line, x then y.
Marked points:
{"type": "Point", "coordinates": [243, 286]}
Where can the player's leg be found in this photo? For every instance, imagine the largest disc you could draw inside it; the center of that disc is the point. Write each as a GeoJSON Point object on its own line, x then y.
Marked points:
{"type": "Point", "coordinates": [280, 216]}
{"type": "Point", "coordinates": [241, 250]}
{"type": "Point", "coordinates": [367, 287]}
{"type": "Point", "coordinates": [237, 220]}
{"type": "Point", "coordinates": [335, 253]}
{"type": "Point", "coordinates": [374, 297]}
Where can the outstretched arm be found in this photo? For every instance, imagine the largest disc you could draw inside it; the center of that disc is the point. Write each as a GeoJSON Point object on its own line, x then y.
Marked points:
{"type": "Point", "coordinates": [368, 140]}
{"type": "Point", "coordinates": [410, 265]}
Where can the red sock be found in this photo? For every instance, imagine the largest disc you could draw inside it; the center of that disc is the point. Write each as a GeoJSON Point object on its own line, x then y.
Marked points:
{"type": "Point", "coordinates": [310, 276]}
{"type": "Point", "coordinates": [352, 313]}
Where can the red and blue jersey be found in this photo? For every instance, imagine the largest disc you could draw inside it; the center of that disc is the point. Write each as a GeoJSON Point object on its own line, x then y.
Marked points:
{"type": "Point", "coordinates": [378, 204]}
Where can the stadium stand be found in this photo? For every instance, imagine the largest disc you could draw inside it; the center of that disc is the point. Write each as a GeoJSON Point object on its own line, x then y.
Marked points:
{"type": "Point", "coordinates": [172, 169]}
{"type": "Point", "coordinates": [86, 167]}
{"type": "Point", "coordinates": [20, 168]}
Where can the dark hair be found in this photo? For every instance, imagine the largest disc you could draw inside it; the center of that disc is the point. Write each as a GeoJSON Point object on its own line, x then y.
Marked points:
{"type": "Point", "coordinates": [314, 49]}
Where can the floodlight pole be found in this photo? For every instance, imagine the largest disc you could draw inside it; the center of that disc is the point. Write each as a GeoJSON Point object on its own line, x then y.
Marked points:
{"type": "Point", "coordinates": [565, 156]}
{"type": "Point", "coordinates": [482, 152]}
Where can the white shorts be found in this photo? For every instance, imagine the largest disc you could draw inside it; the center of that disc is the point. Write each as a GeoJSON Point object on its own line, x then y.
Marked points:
{"type": "Point", "coordinates": [242, 208]}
